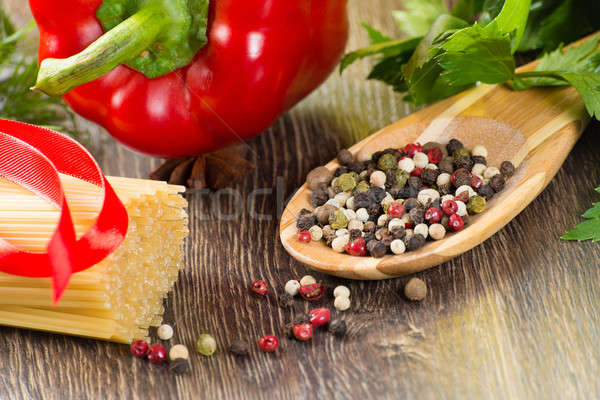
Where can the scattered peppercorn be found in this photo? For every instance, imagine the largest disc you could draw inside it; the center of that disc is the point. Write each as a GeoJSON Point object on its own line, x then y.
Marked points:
{"type": "Point", "coordinates": [303, 331]}
{"type": "Point", "coordinates": [341, 291]}
{"type": "Point", "coordinates": [320, 316]}
{"type": "Point", "coordinates": [259, 288]}
{"type": "Point", "coordinates": [179, 366]}
{"type": "Point", "coordinates": [285, 300]}
{"type": "Point", "coordinates": [239, 348]}
{"type": "Point", "coordinates": [337, 327]}
{"type": "Point", "coordinates": [206, 345]}
{"type": "Point", "coordinates": [139, 348]}
{"type": "Point", "coordinates": [157, 354]}
{"type": "Point", "coordinates": [164, 332]}
{"type": "Point", "coordinates": [415, 289]}
{"type": "Point", "coordinates": [178, 351]}
{"type": "Point", "coordinates": [268, 343]}
{"type": "Point", "coordinates": [497, 183]}
{"type": "Point", "coordinates": [312, 292]}
{"type": "Point", "coordinates": [341, 303]}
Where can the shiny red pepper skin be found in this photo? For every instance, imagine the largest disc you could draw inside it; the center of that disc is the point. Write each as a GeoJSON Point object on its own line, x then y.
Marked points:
{"type": "Point", "coordinates": [262, 57]}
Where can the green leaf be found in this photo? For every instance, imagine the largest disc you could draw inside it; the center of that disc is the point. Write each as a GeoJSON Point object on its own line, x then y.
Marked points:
{"type": "Point", "coordinates": [386, 49]}
{"type": "Point", "coordinates": [588, 86]}
{"type": "Point", "coordinates": [512, 19]}
{"type": "Point", "coordinates": [418, 16]}
{"type": "Point", "coordinates": [389, 71]}
{"type": "Point", "coordinates": [587, 230]}
{"type": "Point", "coordinates": [468, 9]}
{"type": "Point", "coordinates": [475, 55]}
{"type": "Point", "coordinates": [375, 36]}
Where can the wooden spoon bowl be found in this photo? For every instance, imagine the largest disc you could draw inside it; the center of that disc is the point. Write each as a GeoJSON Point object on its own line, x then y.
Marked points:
{"type": "Point", "coordinates": [535, 129]}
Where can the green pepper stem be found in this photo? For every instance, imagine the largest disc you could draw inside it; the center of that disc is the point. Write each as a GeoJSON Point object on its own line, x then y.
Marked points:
{"type": "Point", "coordinates": [117, 46]}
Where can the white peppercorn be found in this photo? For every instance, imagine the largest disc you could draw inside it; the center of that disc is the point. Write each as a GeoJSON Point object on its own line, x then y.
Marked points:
{"type": "Point", "coordinates": [341, 232]}
{"type": "Point", "coordinates": [406, 164]}
{"type": "Point", "coordinates": [397, 246]}
{"type": "Point", "coordinates": [316, 233]}
{"type": "Point", "coordinates": [426, 196]}
{"type": "Point", "coordinates": [350, 214]}
{"type": "Point", "coordinates": [382, 220]}
{"type": "Point", "coordinates": [479, 151]}
{"type": "Point", "coordinates": [421, 160]}
{"type": "Point", "coordinates": [395, 223]}
{"type": "Point", "coordinates": [421, 229]}
{"type": "Point", "coordinates": [165, 332]}
{"type": "Point", "coordinates": [462, 208]}
{"type": "Point", "coordinates": [339, 243]}
{"type": "Point", "coordinates": [307, 280]}
{"type": "Point", "coordinates": [478, 169]}
{"type": "Point", "coordinates": [464, 188]}
{"type": "Point", "coordinates": [431, 166]}
{"type": "Point", "coordinates": [377, 178]}
{"type": "Point", "coordinates": [350, 203]}
{"type": "Point", "coordinates": [443, 179]}
{"type": "Point", "coordinates": [179, 351]}
{"type": "Point", "coordinates": [292, 287]}
{"type": "Point", "coordinates": [437, 231]}
{"type": "Point", "coordinates": [341, 198]}
{"type": "Point", "coordinates": [490, 172]}
{"type": "Point", "coordinates": [342, 291]}
{"type": "Point", "coordinates": [362, 214]}
{"type": "Point", "coordinates": [363, 155]}
{"type": "Point", "coordinates": [355, 224]}
{"type": "Point", "coordinates": [333, 202]}
{"type": "Point", "coordinates": [341, 303]}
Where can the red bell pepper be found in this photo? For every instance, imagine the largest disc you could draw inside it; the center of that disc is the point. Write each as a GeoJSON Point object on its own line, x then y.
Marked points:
{"type": "Point", "coordinates": [197, 76]}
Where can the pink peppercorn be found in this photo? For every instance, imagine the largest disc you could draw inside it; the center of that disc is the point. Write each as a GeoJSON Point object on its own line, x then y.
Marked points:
{"type": "Point", "coordinates": [304, 236]}
{"type": "Point", "coordinates": [455, 222]}
{"type": "Point", "coordinates": [433, 215]}
{"type": "Point", "coordinates": [435, 155]}
{"type": "Point", "coordinates": [268, 343]}
{"type": "Point", "coordinates": [412, 148]}
{"type": "Point", "coordinates": [312, 292]}
{"type": "Point", "coordinates": [476, 182]}
{"type": "Point", "coordinates": [139, 348]}
{"type": "Point", "coordinates": [157, 354]}
{"type": "Point", "coordinates": [303, 331]}
{"type": "Point", "coordinates": [356, 247]}
{"type": "Point", "coordinates": [259, 288]}
{"type": "Point", "coordinates": [319, 316]}
{"type": "Point", "coordinates": [449, 207]}
{"type": "Point", "coordinates": [416, 172]}
{"type": "Point", "coordinates": [396, 210]}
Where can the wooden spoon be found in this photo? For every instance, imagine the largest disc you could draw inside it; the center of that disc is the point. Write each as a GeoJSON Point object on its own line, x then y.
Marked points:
{"type": "Point", "coordinates": [535, 129]}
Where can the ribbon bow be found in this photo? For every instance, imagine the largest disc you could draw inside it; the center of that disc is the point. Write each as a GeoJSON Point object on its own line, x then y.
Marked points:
{"type": "Point", "coordinates": [32, 157]}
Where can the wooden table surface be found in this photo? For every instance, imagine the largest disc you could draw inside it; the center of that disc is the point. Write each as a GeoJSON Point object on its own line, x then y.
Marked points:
{"type": "Point", "coordinates": [517, 317]}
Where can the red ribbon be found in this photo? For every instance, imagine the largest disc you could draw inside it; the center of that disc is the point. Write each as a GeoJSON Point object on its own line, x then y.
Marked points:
{"type": "Point", "coordinates": [32, 157]}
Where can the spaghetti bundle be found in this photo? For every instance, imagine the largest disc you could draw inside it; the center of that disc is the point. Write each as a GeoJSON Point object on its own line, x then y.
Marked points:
{"type": "Point", "coordinates": [117, 299]}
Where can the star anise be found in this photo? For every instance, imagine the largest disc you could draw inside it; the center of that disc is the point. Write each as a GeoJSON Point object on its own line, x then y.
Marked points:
{"type": "Point", "coordinates": [220, 169]}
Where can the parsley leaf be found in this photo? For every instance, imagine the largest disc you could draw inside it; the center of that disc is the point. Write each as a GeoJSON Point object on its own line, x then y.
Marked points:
{"type": "Point", "coordinates": [589, 229]}
{"type": "Point", "coordinates": [419, 15]}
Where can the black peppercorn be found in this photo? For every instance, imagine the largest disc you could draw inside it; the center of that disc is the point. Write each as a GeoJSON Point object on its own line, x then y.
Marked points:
{"type": "Point", "coordinates": [399, 232]}
{"type": "Point", "coordinates": [179, 366]}
{"type": "Point", "coordinates": [305, 222]}
{"type": "Point", "coordinates": [435, 204]}
{"type": "Point", "coordinates": [486, 191]}
{"type": "Point", "coordinates": [402, 193]}
{"type": "Point", "coordinates": [374, 210]}
{"type": "Point", "coordinates": [390, 178]}
{"type": "Point", "coordinates": [377, 194]}
{"type": "Point", "coordinates": [479, 160]}
{"type": "Point", "coordinates": [463, 162]}
{"type": "Point", "coordinates": [355, 233]}
{"type": "Point", "coordinates": [416, 215]}
{"type": "Point", "coordinates": [339, 171]}
{"type": "Point", "coordinates": [376, 248]}
{"type": "Point", "coordinates": [415, 242]}
{"type": "Point", "coordinates": [369, 226]}
{"type": "Point", "coordinates": [239, 348]}
{"type": "Point", "coordinates": [304, 212]}
{"type": "Point", "coordinates": [410, 203]}
{"type": "Point", "coordinates": [453, 145]}
{"type": "Point", "coordinates": [507, 169]}
{"type": "Point", "coordinates": [356, 166]}
{"type": "Point", "coordinates": [415, 183]}
{"type": "Point", "coordinates": [497, 182]}
{"type": "Point", "coordinates": [369, 236]}
{"type": "Point", "coordinates": [319, 197]}
{"type": "Point", "coordinates": [446, 188]}
{"type": "Point", "coordinates": [285, 300]}
{"type": "Point", "coordinates": [429, 176]}
{"type": "Point", "coordinates": [462, 177]}
{"type": "Point", "coordinates": [362, 200]}
{"type": "Point", "coordinates": [447, 165]}
{"type": "Point", "coordinates": [344, 157]}
{"type": "Point", "coordinates": [337, 327]}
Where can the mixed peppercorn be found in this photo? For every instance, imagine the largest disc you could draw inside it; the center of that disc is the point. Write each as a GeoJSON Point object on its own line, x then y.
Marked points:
{"type": "Point", "coordinates": [394, 200]}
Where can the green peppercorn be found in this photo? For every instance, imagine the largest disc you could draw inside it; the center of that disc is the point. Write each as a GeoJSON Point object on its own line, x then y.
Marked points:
{"type": "Point", "coordinates": [338, 220]}
{"type": "Point", "coordinates": [462, 152]}
{"type": "Point", "coordinates": [206, 345]}
{"type": "Point", "coordinates": [363, 186]}
{"type": "Point", "coordinates": [401, 178]}
{"type": "Point", "coordinates": [476, 205]}
{"type": "Point", "coordinates": [387, 162]}
{"type": "Point", "coordinates": [346, 182]}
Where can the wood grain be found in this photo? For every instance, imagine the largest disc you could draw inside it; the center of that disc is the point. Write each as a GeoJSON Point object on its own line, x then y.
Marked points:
{"type": "Point", "coordinates": [516, 317]}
